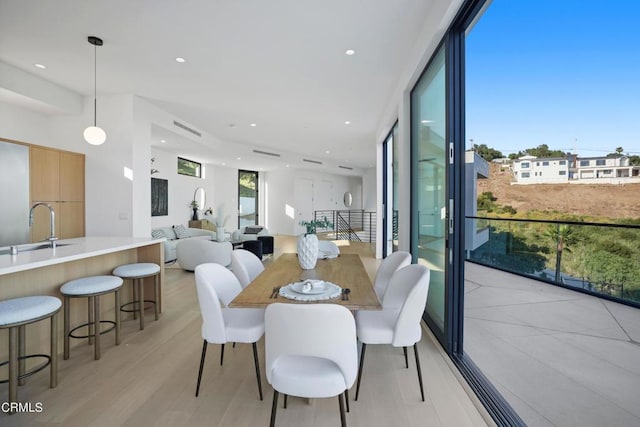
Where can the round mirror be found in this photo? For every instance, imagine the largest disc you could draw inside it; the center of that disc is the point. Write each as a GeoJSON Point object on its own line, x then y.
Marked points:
{"type": "Point", "coordinates": [200, 196]}
{"type": "Point", "coordinates": [348, 199]}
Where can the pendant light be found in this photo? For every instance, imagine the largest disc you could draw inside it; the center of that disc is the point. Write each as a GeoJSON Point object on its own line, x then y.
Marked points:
{"type": "Point", "coordinates": [93, 134]}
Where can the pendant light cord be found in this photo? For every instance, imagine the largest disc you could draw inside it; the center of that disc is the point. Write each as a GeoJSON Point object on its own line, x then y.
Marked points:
{"type": "Point", "coordinates": [95, 73]}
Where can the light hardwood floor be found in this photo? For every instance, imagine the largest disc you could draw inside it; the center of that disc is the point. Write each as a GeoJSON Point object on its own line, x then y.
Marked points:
{"type": "Point", "coordinates": [149, 380]}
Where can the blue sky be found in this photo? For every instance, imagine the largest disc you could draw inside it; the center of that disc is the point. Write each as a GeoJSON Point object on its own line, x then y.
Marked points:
{"type": "Point", "coordinates": [553, 72]}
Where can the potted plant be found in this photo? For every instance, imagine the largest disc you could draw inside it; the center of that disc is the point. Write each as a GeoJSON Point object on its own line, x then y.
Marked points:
{"type": "Point", "coordinates": [308, 242]}
{"type": "Point", "coordinates": [194, 205]}
{"type": "Point", "coordinates": [219, 220]}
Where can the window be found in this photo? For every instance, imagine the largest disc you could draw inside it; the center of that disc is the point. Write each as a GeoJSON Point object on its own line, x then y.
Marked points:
{"type": "Point", "coordinates": [562, 162]}
{"type": "Point", "coordinates": [584, 162]}
{"type": "Point", "coordinates": [545, 163]}
{"type": "Point", "coordinates": [537, 163]}
{"type": "Point", "coordinates": [562, 172]}
{"type": "Point", "coordinates": [524, 165]}
{"type": "Point", "coordinates": [525, 174]}
{"type": "Point", "coordinates": [189, 167]}
{"type": "Point", "coordinates": [600, 162]}
{"type": "Point", "coordinates": [247, 198]}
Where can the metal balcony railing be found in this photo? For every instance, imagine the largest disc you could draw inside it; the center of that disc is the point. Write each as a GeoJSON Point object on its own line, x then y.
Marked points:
{"type": "Point", "coordinates": [598, 259]}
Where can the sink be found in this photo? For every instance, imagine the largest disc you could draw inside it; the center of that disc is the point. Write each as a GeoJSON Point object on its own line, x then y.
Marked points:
{"type": "Point", "coordinates": [32, 247]}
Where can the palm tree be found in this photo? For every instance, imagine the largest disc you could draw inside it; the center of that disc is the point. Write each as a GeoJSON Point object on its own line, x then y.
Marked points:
{"type": "Point", "coordinates": [562, 235]}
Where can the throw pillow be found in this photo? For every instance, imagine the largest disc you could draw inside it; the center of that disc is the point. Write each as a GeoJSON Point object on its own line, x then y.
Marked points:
{"type": "Point", "coordinates": [158, 234]}
{"type": "Point", "coordinates": [181, 231]}
{"type": "Point", "coordinates": [252, 230]}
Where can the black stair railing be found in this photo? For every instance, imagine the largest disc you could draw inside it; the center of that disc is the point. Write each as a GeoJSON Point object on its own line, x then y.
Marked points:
{"type": "Point", "coordinates": [354, 224]}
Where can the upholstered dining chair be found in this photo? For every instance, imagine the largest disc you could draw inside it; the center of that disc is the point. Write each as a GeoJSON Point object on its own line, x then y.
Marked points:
{"type": "Point", "coordinates": [398, 323]}
{"type": "Point", "coordinates": [246, 266]}
{"type": "Point", "coordinates": [388, 266]}
{"type": "Point", "coordinates": [310, 351]}
{"type": "Point", "coordinates": [217, 287]}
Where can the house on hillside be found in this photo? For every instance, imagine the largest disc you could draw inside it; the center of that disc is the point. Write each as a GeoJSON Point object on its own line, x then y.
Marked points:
{"type": "Point", "coordinates": [574, 170]}
{"type": "Point", "coordinates": [533, 170]}
{"type": "Point", "coordinates": [590, 168]}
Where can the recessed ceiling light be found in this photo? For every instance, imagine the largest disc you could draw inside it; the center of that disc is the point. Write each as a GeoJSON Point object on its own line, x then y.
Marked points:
{"type": "Point", "coordinates": [347, 122]}
{"type": "Point", "coordinates": [163, 140]}
{"type": "Point", "coordinates": [180, 60]}
{"type": "Point", "coordinates": [224, 164]}
{"type": "Point", "coordinates": [239, 158]}
{"type": "Point", "coordinates": [286, 166]}
{"type": "Point", "coordinates": [41, 66]}
{"type": "Point", "coordinates": [349, 52]}
{"type": "Point", "coordinates": [327, 151]}
{"type": "Point", "coordinates": [253, 125]}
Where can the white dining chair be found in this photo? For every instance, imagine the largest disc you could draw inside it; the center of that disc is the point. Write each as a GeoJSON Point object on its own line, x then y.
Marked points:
{"type": "Point", "coordinates": [388, 266]}
{"type": "Point", "coordinates": [398, 323]}
{"type": "Point", "coordinates": [310, 351]}
{"type": "Point", "coordinates": [217, 287]}
{"type": "Point", "coordinates": [246, 266]}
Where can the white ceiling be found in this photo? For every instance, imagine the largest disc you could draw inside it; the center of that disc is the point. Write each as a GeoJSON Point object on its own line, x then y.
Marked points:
{"type": "Point", "coordinates": [280, 64]}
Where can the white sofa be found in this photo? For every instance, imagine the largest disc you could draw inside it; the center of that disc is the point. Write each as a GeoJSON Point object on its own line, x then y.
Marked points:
{"type": "Point", "coordinates": [172, 241]}
{"type": "Point", "coordinates": [242, 235]}
{"type": "Point", "coordinates": [193, 252]}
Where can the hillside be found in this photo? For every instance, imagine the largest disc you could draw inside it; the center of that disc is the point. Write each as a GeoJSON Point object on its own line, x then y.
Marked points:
{"type": "Point", "coordinates": [608, 201]}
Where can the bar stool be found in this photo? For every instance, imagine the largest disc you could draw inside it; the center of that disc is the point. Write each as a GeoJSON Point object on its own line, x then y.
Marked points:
{"type": "Point", "coordinates": [15, 314]}
{"type": "Point", "coordinates": [93, 288]}
{"type": "Point", "coordinates": [137, 273]}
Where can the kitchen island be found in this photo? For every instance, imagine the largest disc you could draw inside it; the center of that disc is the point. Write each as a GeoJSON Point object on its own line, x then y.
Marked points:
{"type": "Point", "coordinates": [43, 271]}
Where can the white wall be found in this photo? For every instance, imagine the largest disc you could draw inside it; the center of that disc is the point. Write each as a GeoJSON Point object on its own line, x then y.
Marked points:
{"type": "Point", "coordinates": [226, 184]}
{"type": "Point", "coordinates": [369, 191]}
{"type": "Point", "coordinates": [433, 29]}
{"type": "Point", "coordinates": [23, 125]}
{"type": "Point", "coordinates": [279, 188]}
{"type": "Point", "coordinates": [181, 189]}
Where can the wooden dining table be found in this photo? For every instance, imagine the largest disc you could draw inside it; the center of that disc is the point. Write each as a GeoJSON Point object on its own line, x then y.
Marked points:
{"type": "Point", "coordinates": [346, 271]}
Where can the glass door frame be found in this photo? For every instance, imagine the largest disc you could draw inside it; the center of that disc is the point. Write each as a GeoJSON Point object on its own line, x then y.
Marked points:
{"type": "Point", "coordinates": [387, 202]}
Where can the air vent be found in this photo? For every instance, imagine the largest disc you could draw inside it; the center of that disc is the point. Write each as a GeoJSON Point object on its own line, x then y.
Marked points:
{"type": "Point", "coordinates": [187, 128]}
{"type": "Point", "coordinates": [312, 161]}
{"type": "Point", "coordinates": [345, 167]}
{"type": "Point", "coordinates": [266, 153]}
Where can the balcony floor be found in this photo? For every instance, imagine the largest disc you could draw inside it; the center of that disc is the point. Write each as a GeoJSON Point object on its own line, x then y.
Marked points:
{"type": "Point", "coordinates": [559, 357]}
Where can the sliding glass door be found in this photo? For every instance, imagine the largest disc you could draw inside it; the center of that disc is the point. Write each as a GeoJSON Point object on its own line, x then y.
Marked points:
{"type": "Point", "coordinates": [430, 206]}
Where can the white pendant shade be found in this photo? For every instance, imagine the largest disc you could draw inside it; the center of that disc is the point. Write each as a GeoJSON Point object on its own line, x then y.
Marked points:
{"type": "Point", "coordinates": [94, 135]}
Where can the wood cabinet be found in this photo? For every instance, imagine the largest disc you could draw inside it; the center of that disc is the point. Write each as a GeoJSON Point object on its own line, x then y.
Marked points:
{"type": "Point", "coordinates": [44, 174]}
{"type": "Point", "coordinates": [57, 178]}
{"type": "Point", "coordinates": [203, 224]}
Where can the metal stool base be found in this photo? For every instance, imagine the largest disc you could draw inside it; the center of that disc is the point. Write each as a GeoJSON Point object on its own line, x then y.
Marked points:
{"type": "Point", "coordinates": [33, 370]}
{"type": "Point", "coordinates": [111, 322]}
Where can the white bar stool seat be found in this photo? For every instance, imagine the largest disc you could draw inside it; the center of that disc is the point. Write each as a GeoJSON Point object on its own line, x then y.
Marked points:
{"type": "Point", "coordinates": [91, 287]}
{"type": "Point", "coordinates": [137, 273]}
{"type": "Point", "coordinates": [15, 314]}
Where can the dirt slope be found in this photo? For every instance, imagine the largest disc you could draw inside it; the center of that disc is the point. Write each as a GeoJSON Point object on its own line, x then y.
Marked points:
{"type": "Point", "coordinates": [610, 201]}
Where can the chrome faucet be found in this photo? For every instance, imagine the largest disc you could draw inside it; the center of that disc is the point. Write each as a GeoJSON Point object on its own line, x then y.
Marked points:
{"type": "Point", "coordinates": [52, 238]}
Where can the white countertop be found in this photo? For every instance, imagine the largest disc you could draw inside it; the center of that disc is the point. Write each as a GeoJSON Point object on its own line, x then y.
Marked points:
{"type": "Point", "coordinates": [73, 249]}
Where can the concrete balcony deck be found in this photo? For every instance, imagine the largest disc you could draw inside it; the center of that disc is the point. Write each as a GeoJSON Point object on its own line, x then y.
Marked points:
{"type": "Point", "coordinates": [559, 357]}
